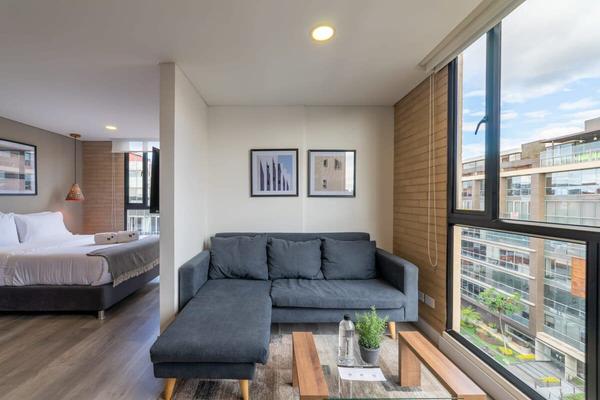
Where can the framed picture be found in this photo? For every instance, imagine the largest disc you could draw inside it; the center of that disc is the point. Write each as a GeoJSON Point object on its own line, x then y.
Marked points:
{"type": "Point", "coordinates": [18, 169]}
{"type": "Point", "coordinates": [332, 173]}
{"type": "Point", "coordinates": [273, 172]}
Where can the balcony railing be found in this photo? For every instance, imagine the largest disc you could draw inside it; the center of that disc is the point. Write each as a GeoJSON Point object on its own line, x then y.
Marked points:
{"type": "Point", "coordinates": [570, 154]}
{"type": "Point", "coordinates": [143, 222]}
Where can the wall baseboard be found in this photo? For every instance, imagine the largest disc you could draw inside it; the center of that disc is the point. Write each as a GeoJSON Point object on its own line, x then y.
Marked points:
{"type": "Point", "coordinates": [482, 374]}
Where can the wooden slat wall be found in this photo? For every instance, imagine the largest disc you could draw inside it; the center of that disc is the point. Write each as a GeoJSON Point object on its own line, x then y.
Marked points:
{"type": "Point", "coordinates": [103, 208]}
{"type": "Point", "coordinates": [411, 126]}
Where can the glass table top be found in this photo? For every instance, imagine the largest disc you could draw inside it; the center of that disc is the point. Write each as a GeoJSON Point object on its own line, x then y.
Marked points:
{"type": "Point", "coordinates": [339, 388]}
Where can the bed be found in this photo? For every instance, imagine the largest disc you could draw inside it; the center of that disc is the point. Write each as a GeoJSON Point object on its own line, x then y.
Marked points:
{"type": "Point", "coordinates": [65, 272]}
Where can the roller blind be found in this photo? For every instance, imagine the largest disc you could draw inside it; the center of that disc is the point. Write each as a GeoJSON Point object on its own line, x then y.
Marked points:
{"type": "Point", "coordinates": [485, 16]}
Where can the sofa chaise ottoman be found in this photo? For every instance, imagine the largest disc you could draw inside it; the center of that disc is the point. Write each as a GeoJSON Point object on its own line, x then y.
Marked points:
{"type": "Point", "coordinates": [229, 296]}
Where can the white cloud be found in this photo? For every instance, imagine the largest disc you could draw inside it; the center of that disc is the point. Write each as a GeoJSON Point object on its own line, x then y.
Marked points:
{"type": "Point", "coordinates": [552, 131]}
{"type": "Point", "coordinates": [477, 114]}
{"type": "Point", "coordinates": [537, 114]}
{"type": "Point", "coordinates": [511, 143]}
{"type": "Point", "coordinates": [585, 115]}
{"type": "Point", "coordinates": [473, 150]}
{"type": "Point", "coordinates": [580, 104]}
{"type": "Point", "coordinates": [508, 115]}
{"type": "Point", "coordinates": [474, 93]}
{"type": "Point", "coordinates": [469, 126]}
{"type": "Point", "coordinates": [537, 58]}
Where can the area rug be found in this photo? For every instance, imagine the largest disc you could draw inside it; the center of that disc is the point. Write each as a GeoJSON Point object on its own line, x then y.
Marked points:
{"type": "Point", "coordinates": [273, 381]}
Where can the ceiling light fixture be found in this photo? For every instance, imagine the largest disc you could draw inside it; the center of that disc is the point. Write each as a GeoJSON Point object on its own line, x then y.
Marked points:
{"type": "Point", "coordinates": [111, 127]}
{"type": "Point", "coordinates": [322, 33]}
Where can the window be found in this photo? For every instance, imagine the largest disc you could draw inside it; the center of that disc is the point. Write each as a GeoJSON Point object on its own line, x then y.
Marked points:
{"type": "Point", "coordinates": [552, 119]}
{"type": "Point", "coordinates": [138, 169]}
{"type": "Point", "coordinates": [495, 305]}
{"type": "Point", "coordinates": [523, 294]}
{"type": "Point", "coordinates": [471, 146]}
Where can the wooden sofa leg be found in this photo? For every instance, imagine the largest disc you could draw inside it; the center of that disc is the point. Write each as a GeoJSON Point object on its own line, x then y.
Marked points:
{"type": "Point", "coordinates": [392, 327]}
{"type": "Point", "coordinates": [245, 389]}
{"type": "Point", "coordinates": [169, 386]}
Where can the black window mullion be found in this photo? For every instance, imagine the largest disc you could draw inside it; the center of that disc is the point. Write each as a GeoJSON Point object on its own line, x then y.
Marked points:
{"type": "Point", "coordinates": [145, 180]}
{"type": "Point", "coordinates": [492, 128]}
{"type": "Point", "coordinates": [126, 172]}
{"type": "Point", "coordinates": [592, 367]}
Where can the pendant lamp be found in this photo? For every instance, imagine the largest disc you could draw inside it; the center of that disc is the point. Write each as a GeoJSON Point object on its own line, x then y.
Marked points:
{"type": "Point", "coordinates": [75, 193]}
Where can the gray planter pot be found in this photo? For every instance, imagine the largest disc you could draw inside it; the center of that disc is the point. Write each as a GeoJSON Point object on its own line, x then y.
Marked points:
{"type": "Point", "coordinates": [370, 356]}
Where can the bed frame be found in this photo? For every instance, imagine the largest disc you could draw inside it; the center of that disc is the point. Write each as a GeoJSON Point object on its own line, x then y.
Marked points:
{"type": "Point", "coordinates": [82, 298]}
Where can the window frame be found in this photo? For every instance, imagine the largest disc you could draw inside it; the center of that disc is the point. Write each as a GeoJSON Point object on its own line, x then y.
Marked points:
{"type": "Point", "coordinates": [490, 219]}
{"type": "Point", "coordinates": [145, 204]}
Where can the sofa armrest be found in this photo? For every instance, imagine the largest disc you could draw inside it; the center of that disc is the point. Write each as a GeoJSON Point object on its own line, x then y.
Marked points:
{"type": "Point", "coordinates": [404, 276]}
{"type": "Point", "coordinates": [192, 275]}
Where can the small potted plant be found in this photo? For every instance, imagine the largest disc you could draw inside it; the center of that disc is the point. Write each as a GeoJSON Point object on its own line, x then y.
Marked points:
{"type": "Point", "coordinates": [370, 328]}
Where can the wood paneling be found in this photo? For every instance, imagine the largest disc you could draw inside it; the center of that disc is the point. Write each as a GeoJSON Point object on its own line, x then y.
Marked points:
{"type": "Point", "coordinates": [411, 151]}
{"type": "Point", "coordinates": [103, 187]}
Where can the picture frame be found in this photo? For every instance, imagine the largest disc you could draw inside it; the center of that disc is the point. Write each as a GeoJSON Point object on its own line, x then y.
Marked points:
{"type": "Point", "coordinates": [18, 168]}
{"type": "Point", "coordinates": [283, 183]}
{"type": "Point", "coordinates": [331, 173]}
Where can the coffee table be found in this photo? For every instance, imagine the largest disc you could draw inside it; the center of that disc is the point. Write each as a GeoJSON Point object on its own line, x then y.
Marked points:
{"type": "Point", "coordinates": [316, 376]}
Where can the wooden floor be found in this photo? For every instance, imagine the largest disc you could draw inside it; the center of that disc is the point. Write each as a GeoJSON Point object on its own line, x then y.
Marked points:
{"type": "Point", "coordinates": [80, 357]}
{"type": "Point", "coordinates": [76, 356]}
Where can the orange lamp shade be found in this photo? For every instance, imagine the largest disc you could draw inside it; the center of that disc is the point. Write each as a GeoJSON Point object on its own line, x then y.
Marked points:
{"type": "Point", "coordinates": [75, 193]}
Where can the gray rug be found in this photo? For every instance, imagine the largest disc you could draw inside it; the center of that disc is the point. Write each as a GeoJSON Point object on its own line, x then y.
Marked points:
{"type": "Point", "coordinates": [273, 381]}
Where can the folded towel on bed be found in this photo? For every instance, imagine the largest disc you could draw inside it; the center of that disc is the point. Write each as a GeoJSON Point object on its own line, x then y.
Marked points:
{"type": "Point", "coordinates": [105, 238]}
{"type": "Point", "coordinates": [127, 236]}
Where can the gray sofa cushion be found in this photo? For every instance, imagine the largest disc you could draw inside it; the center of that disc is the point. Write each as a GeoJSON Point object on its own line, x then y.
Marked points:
{"type": "Point", "coordinates": [344, 294]}
{"type": "Point", "coordinates": [349, 259]}
{"type": "Point", "coordinates": [291, 259]}
{"type": "Point", "coordinates": [228, 321]}
{"type": "Point", "coordinates": [240, 257]}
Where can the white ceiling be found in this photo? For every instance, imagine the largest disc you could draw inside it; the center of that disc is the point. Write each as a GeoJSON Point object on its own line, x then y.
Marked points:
{"type": "Point", "coordinates": [75, 66]}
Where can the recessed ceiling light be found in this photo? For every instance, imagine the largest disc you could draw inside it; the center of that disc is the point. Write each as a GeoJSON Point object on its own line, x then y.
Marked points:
{"type": "Point", "coordinates": [322, 33]}
{"type": "Point", "coordinates": [111, 127]}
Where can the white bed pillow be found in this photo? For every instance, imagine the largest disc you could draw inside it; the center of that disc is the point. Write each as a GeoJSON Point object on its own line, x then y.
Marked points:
{"type": "Point", "coordinates": [8, 230]}
{"type": "Point", "coordinates": [40, 227]}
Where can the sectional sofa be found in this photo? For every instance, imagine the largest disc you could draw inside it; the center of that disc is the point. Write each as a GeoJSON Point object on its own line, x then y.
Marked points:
{"type": "Point", "coordinates": [230, 295]}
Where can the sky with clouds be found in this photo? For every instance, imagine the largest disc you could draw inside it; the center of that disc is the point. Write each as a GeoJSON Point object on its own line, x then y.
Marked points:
{"type": "Point", "coordinates": [550, 74]}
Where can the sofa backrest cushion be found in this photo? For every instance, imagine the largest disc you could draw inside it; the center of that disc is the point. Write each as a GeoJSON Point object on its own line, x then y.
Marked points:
{"type": "Point", "coordinates": [298, 237]}
{"type": "Point", "coordinates": [348, 259]}
{"type": "Point", "coordinates": [239, 257]}
{"type": "Point", "coordinates": [294, 259]}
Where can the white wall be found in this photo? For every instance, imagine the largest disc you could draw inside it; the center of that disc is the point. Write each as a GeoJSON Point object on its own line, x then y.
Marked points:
{"type": "Point", "coordinates": [233, 131]}
{"type": "Point", "coordinates": [183, 138]}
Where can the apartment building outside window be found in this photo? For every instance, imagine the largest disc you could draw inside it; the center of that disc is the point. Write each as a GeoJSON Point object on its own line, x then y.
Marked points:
{"type": "Point", "coordinates": [525, 248]}
{"type": "Point", "coordinates": [138, 170]}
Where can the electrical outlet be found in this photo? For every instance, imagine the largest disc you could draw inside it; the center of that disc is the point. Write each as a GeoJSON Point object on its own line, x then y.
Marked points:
{"type": "Point", "coordinates": [421, 296]}
{"type": "Point", "coordinates": [430, 301]}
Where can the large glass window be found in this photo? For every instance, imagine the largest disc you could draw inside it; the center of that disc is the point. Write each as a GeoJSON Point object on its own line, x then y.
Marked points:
{"type": "Point", "coordinates": [531, 321]}
{"type": "Point", "coordinates": [551, 111]}
{"type": "Point", "coordinates": [138, 167]}
{"type": "Point", "coordinates": [521, 299]}
{"type": "Point", "coordinates": [471, 111]}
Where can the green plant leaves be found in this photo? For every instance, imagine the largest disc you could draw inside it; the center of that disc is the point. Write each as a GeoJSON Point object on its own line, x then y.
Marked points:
{"type": "Point", "coordinates": [370, 328]}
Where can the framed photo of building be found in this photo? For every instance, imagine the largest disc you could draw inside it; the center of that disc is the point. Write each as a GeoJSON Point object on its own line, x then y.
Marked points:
{"type": "Point", "coordinates": [273, 172]}
{"type": "Point", "coordinates": [18, 169]}
{"type": "Point", "coordinates": [332, 173]}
